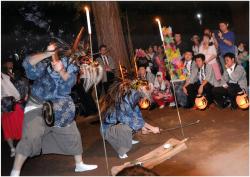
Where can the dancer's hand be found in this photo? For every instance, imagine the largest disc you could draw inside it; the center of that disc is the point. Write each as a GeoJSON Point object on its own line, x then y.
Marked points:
{"type": "Point", "coordinates": [51, 48]}
{"type": "Point", "coordinates": [57, 65]}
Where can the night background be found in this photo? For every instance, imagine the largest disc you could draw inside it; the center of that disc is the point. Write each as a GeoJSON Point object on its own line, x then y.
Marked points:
{"type": "Point", "coordinates": [28, 26]}
{"type": "Point", "coordinates": [218, 146]}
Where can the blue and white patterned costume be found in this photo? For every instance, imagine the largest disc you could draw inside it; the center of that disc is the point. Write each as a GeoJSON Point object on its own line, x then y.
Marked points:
{"type": "Point", "coordinates": [126, 112]}
{"type": "Point", "coordinates": [49, 85]}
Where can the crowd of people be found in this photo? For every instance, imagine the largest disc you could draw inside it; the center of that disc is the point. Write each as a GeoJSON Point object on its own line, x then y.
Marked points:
{"type": "Point", "coordinates": [216, 68]}
{"type": "Point", "coordinates": [208, 62]}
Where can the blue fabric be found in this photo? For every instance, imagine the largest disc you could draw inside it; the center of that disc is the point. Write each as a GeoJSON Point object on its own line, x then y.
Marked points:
{"type": "Point", "coordinates": [224, 48]}
{"type": "Point", "coordinates": [48, 85]}
{"type": "Point", "coordinates": [126, 112]}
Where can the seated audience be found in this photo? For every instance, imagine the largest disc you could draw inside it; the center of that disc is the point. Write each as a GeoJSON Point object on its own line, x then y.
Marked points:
{"type": "Point", "coordinates": [162, 91]}
{"type": "Point", "coordinates": [145, 75]}
{"type": "Point", "coordinates": [201, 81]}
{"type": "Point", "coordinates": [188, 66]}
{"type": "Point", "coordinates": [233, 81]}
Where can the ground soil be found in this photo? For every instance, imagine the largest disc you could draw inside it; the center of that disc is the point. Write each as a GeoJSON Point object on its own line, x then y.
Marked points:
{"type": "Point", "coordinates": [218, 145]}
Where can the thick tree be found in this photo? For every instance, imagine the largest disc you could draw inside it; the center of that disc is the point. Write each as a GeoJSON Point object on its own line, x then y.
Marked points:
{"type": "Point", "coordinates": [109, 30]}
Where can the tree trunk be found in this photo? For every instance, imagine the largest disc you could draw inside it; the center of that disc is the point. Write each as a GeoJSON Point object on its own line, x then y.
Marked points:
{"type": "Point", "coordinates": [109, 30]}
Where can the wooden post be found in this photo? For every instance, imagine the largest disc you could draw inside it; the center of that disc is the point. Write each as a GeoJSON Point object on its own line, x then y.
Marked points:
{"type": "Point", "coordinates": [109, 30]}
{"type": "Point", "coordinates": [130, 43]}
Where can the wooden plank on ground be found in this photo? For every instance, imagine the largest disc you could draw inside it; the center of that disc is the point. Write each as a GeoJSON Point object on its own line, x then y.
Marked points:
{"type": "Point", "coordinates": [155, 157]}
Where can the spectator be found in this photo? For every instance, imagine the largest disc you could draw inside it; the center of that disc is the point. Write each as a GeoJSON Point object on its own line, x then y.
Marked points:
{"type": "Point", "coordinates": [196, 44]}
{"type": "Point", "coordinates": [179, 43]}
{"type": "Point", "coordinates": [144, 75]}
{"type": "Point", "coordinates": [209, 33]}
{"type": "Point", "coordinates": [108, 69]}
{"type": "Point", "coordinates": [14, 92]}
{"type": "Point", "coordinates": [150, 53]}
{"type": "Point", "coordinates": [234, 81]}
{"type": "Point", "coordinates": [162, 91]}
{"type": "Point", "coordinates": [150, 56]}
{"type": "Point", "coordinates": [243, 58]}
{"type": "Point", "coordinates": [160, 61]}
{"type": "Point", "coordinates": [155, 48]}
{"type": "Point", "coordinates": [225, 40]}
{"type": "Point", "coordinates": [188, 62]}
{"type": "Point", "coordinates": [201, 81]}
{"type": "Point", "coordinates": [210, 56]}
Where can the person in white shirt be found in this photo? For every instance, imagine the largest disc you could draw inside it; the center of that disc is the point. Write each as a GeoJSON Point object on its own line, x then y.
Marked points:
{"type": "Point", "coordinates": [200, 82]}
{"type": "Point", "coordinates": [210, 56]}
{"type": "Point", "coordinates": [233, 81]}
{"type": "Point", "coordinates": [108, 65]}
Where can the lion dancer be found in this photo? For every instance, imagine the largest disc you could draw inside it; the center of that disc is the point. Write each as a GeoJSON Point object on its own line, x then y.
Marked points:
{"type": "Point", "coordinates": [122, 115]}
{"type": "Point", "coordinates": [53, 81]}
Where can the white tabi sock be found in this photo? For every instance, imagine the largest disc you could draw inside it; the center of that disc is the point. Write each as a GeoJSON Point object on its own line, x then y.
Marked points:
{"type": "Point", "coordinates": [15, 173]}
{"type": "Point", "coordinates": [135, 141]}
{"type": "Point", "coordinates": [80, 167]}
{"type": "Point", "coordinates": [123, 156]}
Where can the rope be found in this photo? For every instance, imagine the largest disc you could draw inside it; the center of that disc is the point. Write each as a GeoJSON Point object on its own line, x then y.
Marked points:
{"type": "Point", "coordinates": [99, 113]}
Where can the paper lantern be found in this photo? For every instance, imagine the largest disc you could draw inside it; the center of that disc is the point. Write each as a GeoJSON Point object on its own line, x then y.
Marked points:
{"type": "Point", "coordinates": [201, 102]}
{"type": "Point", "coordinates": [144, 104]}
{"type": "Point", "coordinates": [242, 100]}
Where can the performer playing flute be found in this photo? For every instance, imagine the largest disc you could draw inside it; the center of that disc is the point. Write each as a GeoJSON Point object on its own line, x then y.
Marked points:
{"type": "Point", "coordinates": [53, 81]}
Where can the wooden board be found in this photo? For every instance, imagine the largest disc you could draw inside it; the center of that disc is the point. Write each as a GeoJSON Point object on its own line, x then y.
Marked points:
{"type": "Point", "coordinates": [154, 157]}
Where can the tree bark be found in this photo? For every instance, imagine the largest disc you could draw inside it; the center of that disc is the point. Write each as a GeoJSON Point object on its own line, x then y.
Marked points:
{"type": "Point", "coordinates": [109, 30]}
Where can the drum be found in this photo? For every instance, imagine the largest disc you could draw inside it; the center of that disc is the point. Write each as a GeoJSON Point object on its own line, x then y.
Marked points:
{"type": "Point", "coordinates": [48, 113]}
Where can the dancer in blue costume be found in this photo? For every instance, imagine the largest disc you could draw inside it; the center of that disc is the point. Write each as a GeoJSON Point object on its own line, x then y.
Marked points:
{"type": "Point", "coordinates": [123, 117]}
{"type": "Point", "coordinates": [53, 80]}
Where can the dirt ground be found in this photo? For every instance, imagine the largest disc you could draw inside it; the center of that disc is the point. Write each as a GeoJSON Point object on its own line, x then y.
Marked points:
{"type": "Point", "coordinates": [218, 145]}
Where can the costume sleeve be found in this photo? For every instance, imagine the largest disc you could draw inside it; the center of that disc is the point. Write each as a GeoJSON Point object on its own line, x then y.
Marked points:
{"type": "Point", "coordinates": [135, 98]}
{"type": "Point", "coordinates": [66, 85]}
{"type": "Point", "coordinates": [34, 72]}
{"type": "Point", "coordinates": [137, 121]}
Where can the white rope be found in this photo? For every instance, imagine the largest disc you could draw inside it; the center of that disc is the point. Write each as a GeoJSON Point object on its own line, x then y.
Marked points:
{"type": "Point", "coordinates": [99, 112]}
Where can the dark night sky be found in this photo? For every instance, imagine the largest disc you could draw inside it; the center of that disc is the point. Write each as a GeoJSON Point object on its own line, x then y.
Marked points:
{"type": "Point", "coordinates": [144, 31]}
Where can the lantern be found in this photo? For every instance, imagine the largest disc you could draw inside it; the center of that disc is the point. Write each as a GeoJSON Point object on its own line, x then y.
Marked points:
{"type": "Point", "coordinates": [144, 104]}
{"type": "Point", "coordinates": [242, 100]}
{"type": "Point", "coordinates": [201, 102]}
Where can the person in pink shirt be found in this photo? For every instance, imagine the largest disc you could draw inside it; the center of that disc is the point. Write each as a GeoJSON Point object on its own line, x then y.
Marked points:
{"type": "Point", "coordinates": [210, 56]}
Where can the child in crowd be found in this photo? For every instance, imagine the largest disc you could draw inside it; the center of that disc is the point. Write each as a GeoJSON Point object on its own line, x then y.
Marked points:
{"type": "Point", "coordinates": [162, 91]}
